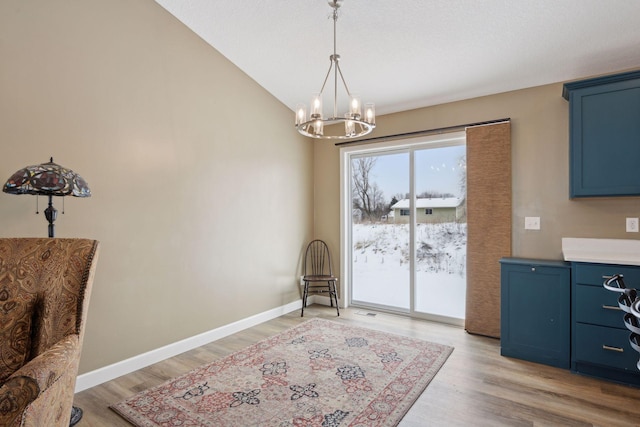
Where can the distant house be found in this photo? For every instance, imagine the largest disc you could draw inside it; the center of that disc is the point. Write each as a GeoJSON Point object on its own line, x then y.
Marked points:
{"type": "Point", "coordinates": [447, 209]}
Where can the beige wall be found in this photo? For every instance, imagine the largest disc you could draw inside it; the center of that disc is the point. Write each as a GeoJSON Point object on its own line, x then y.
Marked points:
{"type": "Point", "coordinates": [539, 129]}
{"type": "Point", "coordinates": [172, 138]}
{"type": "Point", "coordinates": [158, 123]}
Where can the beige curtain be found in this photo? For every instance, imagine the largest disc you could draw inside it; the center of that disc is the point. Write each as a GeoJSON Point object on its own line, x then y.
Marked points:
{"type": "Point", "coordinates": [488, 222]}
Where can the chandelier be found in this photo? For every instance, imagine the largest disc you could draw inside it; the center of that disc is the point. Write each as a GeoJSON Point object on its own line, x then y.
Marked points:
{"type": "Point", "coordinates": [355, 123]}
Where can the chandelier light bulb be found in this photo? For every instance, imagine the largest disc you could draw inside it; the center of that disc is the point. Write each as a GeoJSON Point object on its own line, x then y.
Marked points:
{"type": "Point", "coordinates": [355, 107]}
{"type": "Point", "coordinates": [370, 113]}
{"type": "Point", "coordinates": [349, 125]}
{"type": "Point", "coordinates": [318, 126]}
{"type": "Point", "coordinates": [301, 114]}
{"type": "Point", "coordinates": [316, 106]}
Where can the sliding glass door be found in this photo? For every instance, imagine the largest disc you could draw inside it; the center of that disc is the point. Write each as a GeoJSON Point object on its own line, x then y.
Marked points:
{"type": "Point", "coordinates": [380, 245]}
{"type": "Point", "coordinates": [404, 227]}
{"type": "Point", "coordinates": [440, 231]}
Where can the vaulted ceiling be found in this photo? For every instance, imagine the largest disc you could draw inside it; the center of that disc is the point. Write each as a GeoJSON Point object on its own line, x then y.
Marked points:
{"type": "Point", "coordinates": [405, 54]}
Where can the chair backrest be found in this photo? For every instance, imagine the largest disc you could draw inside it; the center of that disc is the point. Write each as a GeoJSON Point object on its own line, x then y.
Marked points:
{"type": "Point", "coordinates": [56, 274]}
{"type": "Point", "coordinates": [317, 259]}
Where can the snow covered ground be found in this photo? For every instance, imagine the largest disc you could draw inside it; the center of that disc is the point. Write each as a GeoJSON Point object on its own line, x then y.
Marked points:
{"type": "Point", "coordinates": [381, 266]}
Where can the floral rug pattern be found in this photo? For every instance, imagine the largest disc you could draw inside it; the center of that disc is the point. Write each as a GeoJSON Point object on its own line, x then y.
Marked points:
{"type": "Point", "coordinates": [320, 373]}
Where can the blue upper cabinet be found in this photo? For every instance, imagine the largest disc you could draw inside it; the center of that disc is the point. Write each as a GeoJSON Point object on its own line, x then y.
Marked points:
{"type": "Point", "coordinates": [604, 132]}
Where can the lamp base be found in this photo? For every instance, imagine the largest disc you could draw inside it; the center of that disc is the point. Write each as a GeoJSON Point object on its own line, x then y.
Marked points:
{"type": "Point", "coordinates": [51, 214]}
{"type": "Point", "coordinates": [76, 416]}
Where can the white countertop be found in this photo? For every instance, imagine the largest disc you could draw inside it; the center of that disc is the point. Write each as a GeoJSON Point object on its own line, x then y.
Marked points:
{"type": "Point", "coordinates": [603, 251]}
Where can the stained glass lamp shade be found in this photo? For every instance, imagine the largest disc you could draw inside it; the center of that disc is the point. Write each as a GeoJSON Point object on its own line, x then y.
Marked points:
{"type": "Point", "coordinates": [47, 179]}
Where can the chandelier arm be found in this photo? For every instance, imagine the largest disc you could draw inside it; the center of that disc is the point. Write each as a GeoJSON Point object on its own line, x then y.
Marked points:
{"type": "Point", "coordinates": [343, 80]}
{"type": "Point", "coordinates": [327, 76]}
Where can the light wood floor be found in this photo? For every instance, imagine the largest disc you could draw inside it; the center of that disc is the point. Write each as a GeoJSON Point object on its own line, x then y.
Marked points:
{"type": "Point", "coordinates": [475, 387]}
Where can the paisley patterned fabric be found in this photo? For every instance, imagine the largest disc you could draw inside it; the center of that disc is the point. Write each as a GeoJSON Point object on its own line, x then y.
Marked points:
{"type": "Point", "coordinates": [44, 295]}
{"type": "Point", "coordinates": [16, 312]}
{"type": "Point", "coordinates": [20, 391]}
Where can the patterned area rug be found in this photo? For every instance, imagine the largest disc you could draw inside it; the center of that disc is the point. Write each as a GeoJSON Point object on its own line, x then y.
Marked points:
{"type": "Point", "coordinates": [319, 373]}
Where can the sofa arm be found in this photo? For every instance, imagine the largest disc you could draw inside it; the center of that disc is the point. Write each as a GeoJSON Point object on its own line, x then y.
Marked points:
{"type": "Point", "coordinates": [28, 382]}
{"type": "Point", "coordinates": [15, 394]}
{"type": "Point", "coordinates": [47, 367]}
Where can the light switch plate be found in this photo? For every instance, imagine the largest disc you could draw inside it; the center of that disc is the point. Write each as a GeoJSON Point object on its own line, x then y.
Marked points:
{"type": "Point", "coordinates": [532, 223]}
{"type": "Point", "coordinates": [632, 225]}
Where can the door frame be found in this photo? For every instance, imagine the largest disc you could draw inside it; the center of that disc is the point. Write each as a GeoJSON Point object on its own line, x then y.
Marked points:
{"type": "Point", "coordinates": [399, 145]}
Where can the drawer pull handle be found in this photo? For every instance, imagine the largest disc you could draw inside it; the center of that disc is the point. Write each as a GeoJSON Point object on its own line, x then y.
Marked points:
{"type": "Point", "coordinates": [607, 347]}
{"type": "Point", "coordinates": [611, 307]}
{"type": "Point", "coordinates": [607, 277]}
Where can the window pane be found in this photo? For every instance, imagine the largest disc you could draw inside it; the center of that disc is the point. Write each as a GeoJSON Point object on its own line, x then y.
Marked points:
{"type": "Point", "coordinates": [441, 233]}
{"type": "Point", "coordinates": [380, 231]}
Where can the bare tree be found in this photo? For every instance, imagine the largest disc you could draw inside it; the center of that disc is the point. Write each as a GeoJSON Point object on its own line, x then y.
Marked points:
{"type": "Point", "coordinates": [462, 171]}
{"type": "Point", "coordinates": [462, 181]}
{"type": "Point", "coordinates": [432, 194]}
{"type": "Point", "coordinates": [366, 195]}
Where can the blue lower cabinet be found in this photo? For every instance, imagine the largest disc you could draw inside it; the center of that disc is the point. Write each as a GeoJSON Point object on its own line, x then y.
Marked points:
{"type": "Point", "coordinates": [535, 314]}
{"type": "Point", "coordinates": [599, 338]}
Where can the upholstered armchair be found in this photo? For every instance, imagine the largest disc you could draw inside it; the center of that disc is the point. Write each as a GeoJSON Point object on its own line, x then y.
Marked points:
{"type": "Point", "coordinates": [44, 294]}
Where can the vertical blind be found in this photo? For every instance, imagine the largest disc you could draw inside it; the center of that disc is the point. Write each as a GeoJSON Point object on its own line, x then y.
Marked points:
{"type": "Point", "coordinates": [488, 223]}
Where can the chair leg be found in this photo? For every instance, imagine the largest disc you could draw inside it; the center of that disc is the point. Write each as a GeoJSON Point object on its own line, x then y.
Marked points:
{"type": "Point", "coordinates": [330, 293]}
{"type": "Point", "coordinates": [305, 292]}
{"type": "Point", "coordinates": [335, 295]}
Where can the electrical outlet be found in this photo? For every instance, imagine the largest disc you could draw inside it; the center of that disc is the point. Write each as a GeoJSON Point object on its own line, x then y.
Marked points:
{"type": "Point", "coordinates": [532, 223]}
{"type": "Point", "coordinates": [632, 225]}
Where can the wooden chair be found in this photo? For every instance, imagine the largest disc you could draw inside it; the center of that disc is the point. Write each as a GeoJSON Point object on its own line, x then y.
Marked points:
{"type": "Point", "coordinates": [318, 274]}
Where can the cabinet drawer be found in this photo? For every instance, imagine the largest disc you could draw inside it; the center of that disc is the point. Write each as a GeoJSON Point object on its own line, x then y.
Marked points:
{"type": "Point", "coordinates": [593, 274]}
{"type": "Point", "coordinates": [598, 306]}
{"type": "Point", "coordinates": [605, 346]}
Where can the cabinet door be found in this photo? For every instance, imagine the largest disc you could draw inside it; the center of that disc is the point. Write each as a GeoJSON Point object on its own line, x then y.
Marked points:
{"type": "Point", "coordinates": [605, 140]}
{"type": "Point", "coordinates": [535, 313]}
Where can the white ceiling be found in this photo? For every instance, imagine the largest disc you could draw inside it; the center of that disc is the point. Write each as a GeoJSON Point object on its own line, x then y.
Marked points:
{"type": "Point", "coordinates": [405, 54]}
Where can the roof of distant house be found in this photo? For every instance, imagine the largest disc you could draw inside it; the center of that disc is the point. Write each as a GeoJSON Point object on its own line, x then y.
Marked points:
{"type": "Point", "coordinates": [442, 202]}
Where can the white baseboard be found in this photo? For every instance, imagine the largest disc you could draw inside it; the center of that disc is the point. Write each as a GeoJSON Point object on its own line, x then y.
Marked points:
{"type": "Point", "coordinates": [323, 300]}
{"type": "Point", "coordinates": [108, 373]}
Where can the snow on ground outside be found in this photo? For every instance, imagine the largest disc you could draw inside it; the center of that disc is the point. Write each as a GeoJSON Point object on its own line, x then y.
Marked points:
{"type": "Point", "coordinates": [381, 266]}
